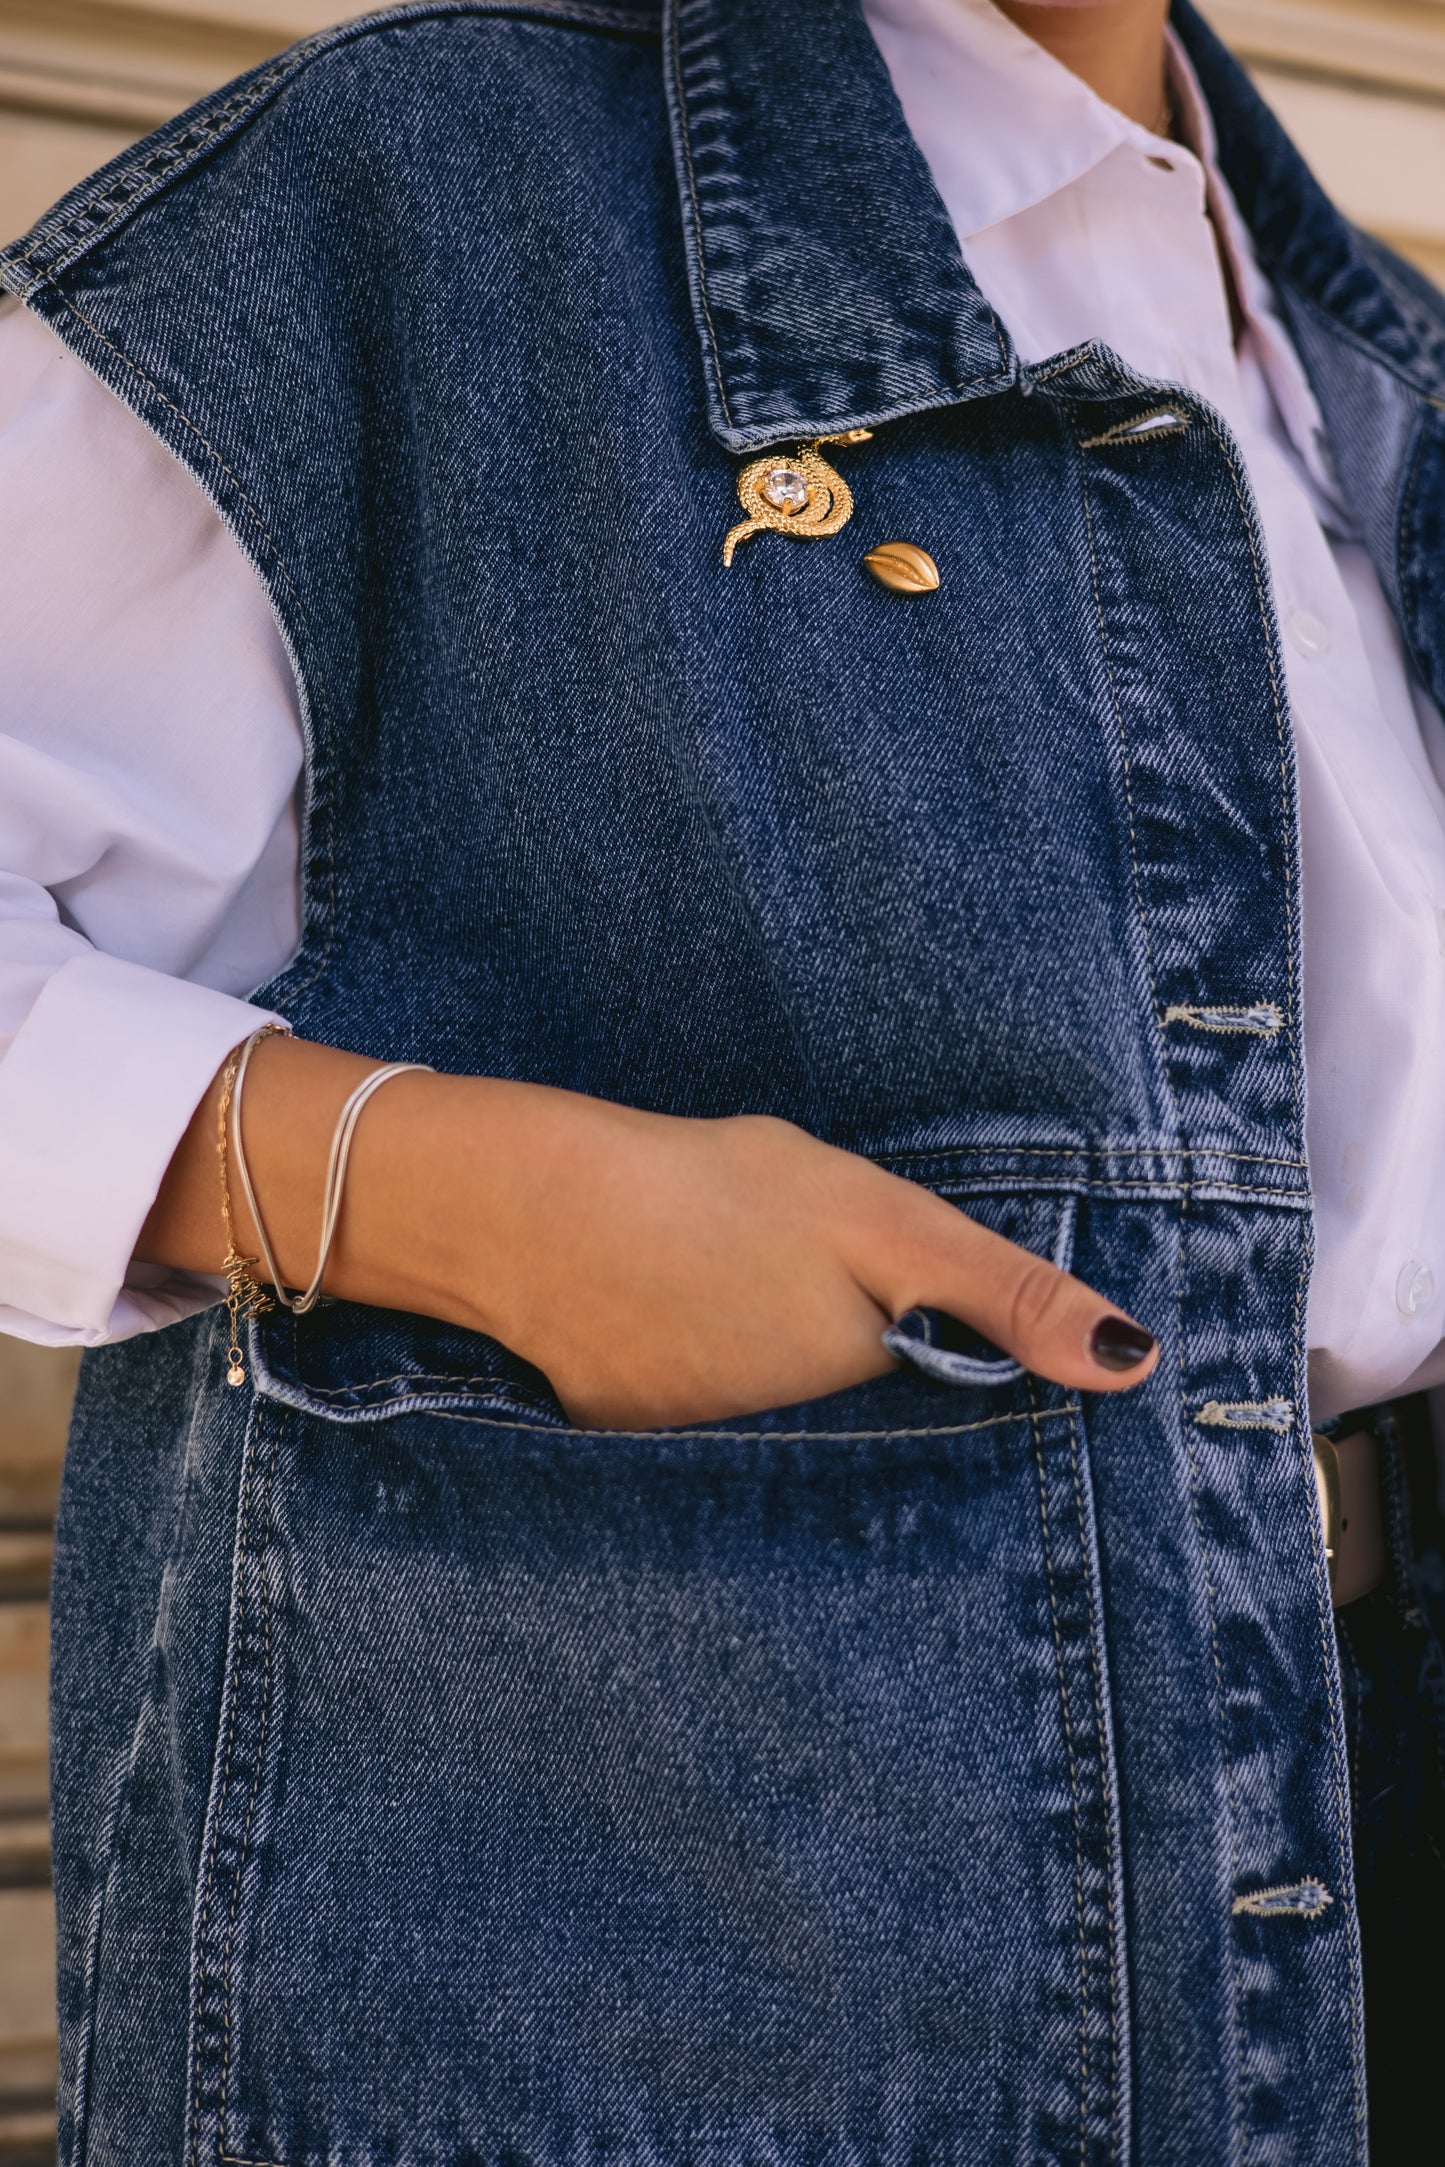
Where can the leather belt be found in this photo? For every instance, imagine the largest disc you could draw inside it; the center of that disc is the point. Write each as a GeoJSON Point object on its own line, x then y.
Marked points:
{"type": "Point", "coordinates": [1352, 1512]}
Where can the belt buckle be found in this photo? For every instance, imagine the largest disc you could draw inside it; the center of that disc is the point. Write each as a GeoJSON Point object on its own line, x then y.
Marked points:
{"type": "Point", "coordinates": [1327, 1489]}
{"type": "Point", "coordinates": [1352, 1513]}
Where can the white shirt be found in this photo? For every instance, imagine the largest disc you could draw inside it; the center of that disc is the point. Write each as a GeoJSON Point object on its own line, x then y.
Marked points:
{"type": "Point", "coordinates": [150, 749]}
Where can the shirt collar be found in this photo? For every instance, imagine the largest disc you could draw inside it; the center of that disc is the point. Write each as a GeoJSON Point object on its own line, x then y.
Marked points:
{"type": "Point", "coordinates": [1002, 124]}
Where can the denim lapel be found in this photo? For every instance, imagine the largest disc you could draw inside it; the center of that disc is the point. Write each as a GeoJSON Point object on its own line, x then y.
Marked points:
{"type": "Point", "coordinates": [1371, 333]}
{"type": "Point", "coordinates": [827, 284]}
{"type": "Point", "coordinates": [1304, 243]}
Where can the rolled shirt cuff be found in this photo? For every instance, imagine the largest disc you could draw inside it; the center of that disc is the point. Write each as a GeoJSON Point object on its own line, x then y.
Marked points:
{"type": "Point", "coordinates": [97, 1089]}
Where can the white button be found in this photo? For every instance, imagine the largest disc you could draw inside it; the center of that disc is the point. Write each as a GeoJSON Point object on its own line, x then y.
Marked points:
{"type": "Point", "coordinates": [1310, 634]}
{"type": "Point", "coordinates": [1415, 1287]}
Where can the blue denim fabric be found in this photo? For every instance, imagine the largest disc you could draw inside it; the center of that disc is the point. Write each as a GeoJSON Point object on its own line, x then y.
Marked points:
{"type": "Point", "coordinates": [948, 1772]}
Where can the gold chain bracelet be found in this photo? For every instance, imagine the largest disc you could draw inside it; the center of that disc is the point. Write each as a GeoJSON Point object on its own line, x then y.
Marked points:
{"type": "Point", "coordinates": [246, 1297]}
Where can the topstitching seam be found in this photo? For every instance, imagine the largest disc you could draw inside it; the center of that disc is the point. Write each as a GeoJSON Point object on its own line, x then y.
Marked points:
{"type": "Point", "coordinates": [207, 128]}
{"type": "Point", "coordinates": [1096, 1682]}
{"type": "Point", "coordinates": [1064, 365]}
{"type": "Point", "coordinates": [1059, 1667]}
{"type": "Point", "coordinates": [760, 1437]}
{"type": "Point", "coordinates": [1282, 736]}
{"type": "Point", "coordinates": [1095, 1151]}
{"type": "Point", "coordinates": [1342, 1808]}
{"type": "Point", "coordinates": [136, 370]}
{"type": "Point", "coordinates": [374, 1384]}
{"type": "Point", "coordinates": [204, 1899]}
{"type": "Point", "coordinates": [80, 2096]}
{"type": "Point", "coordinates": [1291, 1200]}
{"type": "Point", "coordinates": [684, 131]}
{"type": "Point", "coordinates": [1123, 737]}
{"type": "Point", "coordinates": [251, 1801]}
{"type": "Point", "coordinates": [1185, 1426]}
{"type": "Point", "coordinates": [1221, 1728]}
{"type": "Point", "coordinates": [1240, 2123]}
{"type": "Point", "coordinates": [1324, 1611]}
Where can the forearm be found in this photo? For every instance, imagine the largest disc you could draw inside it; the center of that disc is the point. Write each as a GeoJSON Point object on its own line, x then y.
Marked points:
{"type": "Point", "coordinates": [293, 1095]}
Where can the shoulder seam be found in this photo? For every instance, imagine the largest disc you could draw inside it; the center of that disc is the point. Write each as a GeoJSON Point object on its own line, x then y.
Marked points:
{"type": "Point", "coordinates": [90, 214]}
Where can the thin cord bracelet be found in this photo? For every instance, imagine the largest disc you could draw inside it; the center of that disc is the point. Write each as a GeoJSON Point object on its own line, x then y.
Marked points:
{"type": "Point", "coordinates": [336, 1168]}
{"type": "Point", "coordinates": [341, 1140]}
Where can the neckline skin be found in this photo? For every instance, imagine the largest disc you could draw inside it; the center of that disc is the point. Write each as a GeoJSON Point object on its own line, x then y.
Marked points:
{"type": "Point", "coordinates": [1117, 47]}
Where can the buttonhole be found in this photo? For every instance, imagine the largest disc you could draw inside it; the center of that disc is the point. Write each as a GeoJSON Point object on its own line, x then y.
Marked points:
{"type": "Point", "coordinates": [1159, 421]}
{"type": "Point", "coordinates": [1148, 423]}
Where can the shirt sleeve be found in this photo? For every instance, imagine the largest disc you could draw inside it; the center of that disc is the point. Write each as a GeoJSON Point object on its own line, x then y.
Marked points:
{"type": "Point", "coordinates": [150, 763]}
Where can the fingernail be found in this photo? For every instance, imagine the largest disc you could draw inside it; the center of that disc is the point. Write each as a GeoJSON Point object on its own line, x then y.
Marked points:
{"type": "Point", "coordinates": [1115, 1343]}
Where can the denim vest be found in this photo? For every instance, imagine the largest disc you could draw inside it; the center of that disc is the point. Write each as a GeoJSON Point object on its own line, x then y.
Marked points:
{"type": "Point", "coordinates": [948, 1773]}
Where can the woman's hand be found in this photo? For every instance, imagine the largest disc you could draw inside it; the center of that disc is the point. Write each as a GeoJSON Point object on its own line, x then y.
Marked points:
{"type": "Point", "coordinates": [659, 1271]}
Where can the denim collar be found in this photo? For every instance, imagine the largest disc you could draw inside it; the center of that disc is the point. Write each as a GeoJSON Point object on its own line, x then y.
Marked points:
{"type": "Point", "coordinates": [827, 282]}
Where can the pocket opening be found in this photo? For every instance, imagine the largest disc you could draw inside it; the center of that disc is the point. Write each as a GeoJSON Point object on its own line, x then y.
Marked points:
{"type": "Point", "coordinates": [916, 1337]}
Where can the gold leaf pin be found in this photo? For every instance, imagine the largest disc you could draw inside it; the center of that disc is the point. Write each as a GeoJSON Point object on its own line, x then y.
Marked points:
{"type": "Point", "coordinates": [798, 493]}
{"type": "Point", "coordinates": [904, 567]}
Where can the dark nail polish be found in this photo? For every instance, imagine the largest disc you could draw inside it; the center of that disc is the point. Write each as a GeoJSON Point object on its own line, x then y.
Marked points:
{"type": "Point", "coordinates": [1115, 1343]}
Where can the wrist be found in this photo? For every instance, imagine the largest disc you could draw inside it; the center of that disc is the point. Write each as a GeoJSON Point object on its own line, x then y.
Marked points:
{"type": "Point", "coordinates": [424, 1221]}
{"type": "Point", "coordinates": [439, 1209]}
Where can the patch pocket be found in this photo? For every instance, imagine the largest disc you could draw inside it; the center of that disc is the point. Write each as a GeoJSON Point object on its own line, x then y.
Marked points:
{"type": "Point", "coordinates": [635, 1800]}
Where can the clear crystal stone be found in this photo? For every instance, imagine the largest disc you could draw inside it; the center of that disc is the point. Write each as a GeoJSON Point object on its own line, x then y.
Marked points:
{"type": "Point", "coordinates": [786, 490]}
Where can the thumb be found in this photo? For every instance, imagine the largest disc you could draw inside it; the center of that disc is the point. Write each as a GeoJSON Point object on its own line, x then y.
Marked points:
{"type": "Point", "coordinates": [1046, 1319]}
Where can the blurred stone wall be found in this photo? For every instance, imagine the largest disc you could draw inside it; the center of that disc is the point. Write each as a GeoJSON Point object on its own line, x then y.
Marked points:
{"type": "Point", "coordinates": [35, 1389]}
{"type": "Point", "coordinates": [1361, 84]}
